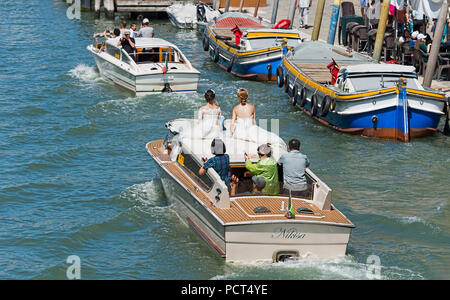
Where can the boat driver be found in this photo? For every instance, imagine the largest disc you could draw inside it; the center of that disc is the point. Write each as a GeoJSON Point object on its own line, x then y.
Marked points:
{"type": "Point", "coordinates": [220, 162]}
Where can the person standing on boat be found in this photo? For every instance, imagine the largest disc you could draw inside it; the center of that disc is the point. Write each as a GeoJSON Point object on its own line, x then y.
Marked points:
{"type": "Point", "coordinates": [294, 164]}
{"type": "Point", "coordinates": [210, 115]}
{"type": "Point", "coordinates": [127, 43]}
{"type": "Point", "coordinates": [266, 168]}
{"type": "Point", "coordinates": [220, 162]}
{"type": "Point", "coordinates": [243, 117]}
{"type": "Point", "coordinates": [303, 11]}
{"type": "Point", "coordinates": [133, 28]}
{"type": "Point", "coordinates": [146, 31]}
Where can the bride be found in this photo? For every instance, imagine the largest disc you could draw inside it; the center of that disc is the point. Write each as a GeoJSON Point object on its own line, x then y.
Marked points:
{"type": "Point", "coordinates": [243, 118]}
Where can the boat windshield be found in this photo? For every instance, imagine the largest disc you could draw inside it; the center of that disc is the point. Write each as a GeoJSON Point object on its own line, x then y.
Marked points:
{"type": "Point", "coordinates": [376, 82]}
{"type": "Point", "coordinates": [157, 55]}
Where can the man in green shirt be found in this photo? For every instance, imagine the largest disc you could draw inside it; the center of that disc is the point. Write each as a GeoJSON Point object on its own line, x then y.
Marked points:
{"type": "Point", "coordinates": [266, 168]}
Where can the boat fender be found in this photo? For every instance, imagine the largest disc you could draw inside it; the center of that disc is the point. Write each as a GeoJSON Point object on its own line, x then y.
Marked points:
{"type": "Point", "coordinates": [205, 43]}
{"type": "Point", "coordinates": [286, 83]}
{"type": "Point", "coordinates": [325, 106]}
{"type": "Point", "coordinates": [314, 105]}
{"type": "Point", "coordinates": [230, 66]}
{"type": "Point", "coordinates": [216, 54]}
{"type": "Point", "coordinates": [333, 104]}
{"type": "Point", "coordinates": [302, 97]}
{"type": "Point", "coordinates": [296, 96]}
{"type": "Point", "coordinates": [269, 72]}
{"type": "Point", "coordinates": [280, 77]}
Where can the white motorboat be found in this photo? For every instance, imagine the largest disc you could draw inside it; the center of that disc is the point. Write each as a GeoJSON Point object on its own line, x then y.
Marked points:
{"type": "Point", "coordinates": [188, 15]}
{"type": "Point", "coordinates": [245, 227]}
{"type": "Point", "coordinates": [155, 66]}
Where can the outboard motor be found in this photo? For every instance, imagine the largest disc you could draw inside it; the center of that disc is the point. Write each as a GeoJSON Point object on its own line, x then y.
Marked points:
{"type": "Point", "coordinates": [201, 13]}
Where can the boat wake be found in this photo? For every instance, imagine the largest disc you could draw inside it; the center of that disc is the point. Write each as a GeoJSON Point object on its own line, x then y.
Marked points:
{"type": "Point", "coordinates": [145, 195]}
{"type": "Point", "coordinates": [313, 268]}
{"type": "Point", "coordinates": [85, 74]}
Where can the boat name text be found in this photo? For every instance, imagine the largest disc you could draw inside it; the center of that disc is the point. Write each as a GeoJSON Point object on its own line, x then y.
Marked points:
{"type": "Point", "coordinates": [288, 233]}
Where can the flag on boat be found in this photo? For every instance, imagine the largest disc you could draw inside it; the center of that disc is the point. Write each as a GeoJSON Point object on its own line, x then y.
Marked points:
{"type": "Point", "coordinates": [166, 62]}
{"type": "Point", "coordinates": [290, 214]}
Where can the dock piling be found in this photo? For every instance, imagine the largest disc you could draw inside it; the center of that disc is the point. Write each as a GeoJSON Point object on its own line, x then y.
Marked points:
{"type": "Point", "coordinates": [291, 13]}
{"type": "Point", "coordinates": [274, 11]}
{"type": "Point", "coordinates": [381, 30]}
{"type": "Point", "coordinates": [318, 20]}
{"type": "Point", "coordinates": [333, 22]}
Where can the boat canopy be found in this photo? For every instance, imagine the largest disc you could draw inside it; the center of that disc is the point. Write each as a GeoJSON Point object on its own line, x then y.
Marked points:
{"type": "Point", "coordinates": [380, 68]}
{"type": "Point", "coordinates": [144, 42]}
{"type": "Point", "coordinates": [322, 53]}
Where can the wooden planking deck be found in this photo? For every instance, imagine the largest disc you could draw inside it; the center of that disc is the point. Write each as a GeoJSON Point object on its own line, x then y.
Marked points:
{"type": "Point", "coordinates": [317, 72]}
{"type": "Point", "coordinates": [241, 208]}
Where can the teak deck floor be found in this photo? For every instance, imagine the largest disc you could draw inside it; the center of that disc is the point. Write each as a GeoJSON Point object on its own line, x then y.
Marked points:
{"type": "Point", "coordinates": [241, 209]}
{"type": "Point", "coordinates": [317, 72]}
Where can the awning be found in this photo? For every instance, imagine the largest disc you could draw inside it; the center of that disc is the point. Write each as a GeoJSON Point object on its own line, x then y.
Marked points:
{"type": "Point", "coordinates": [430, 8]}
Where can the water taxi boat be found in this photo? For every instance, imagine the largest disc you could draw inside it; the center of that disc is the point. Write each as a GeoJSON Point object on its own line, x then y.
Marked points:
{"type": "Point", "coordinates": [246, 227]}
{"type": "Point", "coordinates": [248, 47]}
{"type": "Point", "coordinates": [351, 93]}
{"type": "Point", "coordinates": [155, 66]}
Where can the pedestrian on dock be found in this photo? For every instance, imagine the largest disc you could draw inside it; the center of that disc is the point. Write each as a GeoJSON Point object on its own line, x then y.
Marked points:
{"type": "Point", "coordinates": [303, 10]}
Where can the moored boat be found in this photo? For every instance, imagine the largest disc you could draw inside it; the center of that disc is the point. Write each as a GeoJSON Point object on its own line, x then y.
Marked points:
{"type": "Point", "coordinates": [351, 93]}
{"type": "Point", "coordinates": [187, 15]}
{"type": "Point", "coordinates": [154, 66]}
{"type": "Point", "coordinates": [246, 227]}
{"type": "Point", "coordinates": [248, 47]}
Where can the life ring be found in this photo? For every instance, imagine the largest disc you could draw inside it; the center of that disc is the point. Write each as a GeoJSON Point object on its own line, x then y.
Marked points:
{"type": "Point", "coordinates": [205, 43]}
{"type": "Point", "coordinates": [314, 105]}
{"type": "Point", "coordinates": [325, 106]}
{"type": "Point", "coordinates": [286, 83]}
{"type": "Point", "coordinates": [302, 97]}
{"type": "Point", "coordinates": [282, 24]}
{"type": "Point", "coordinates": [296, 96]}
{"type": "Point", "coordinates": [280, 77]}
{"type": "Point", "coordinates": [230, 66]}
{"type": "Point", "coordinates": [216, 54]}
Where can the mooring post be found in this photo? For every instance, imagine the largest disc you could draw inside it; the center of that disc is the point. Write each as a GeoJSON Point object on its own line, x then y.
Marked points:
{"type": "Point", "coordinates": [97, 8]}
{"type": "Point", "coordinates": [381, 30]}
{"type": "Point", "coordinates": [435, 46]}
{"type": "Point", "coordinates": [274, 11]}
{"type": "Point", "coordinates": [291, 13]}
{"type": "Point", "coordinates": [255, 14]}
{"type": "Point", "coordinates": [241, 6]}
{"type": "Point", "coordinates": [318, 20]}
{"type": "Point", "coordinates": [109, 7]}
{"type": "Point", "coordinates": [227, 5]}
{"type": "Point", "coordinates": [334, 19]}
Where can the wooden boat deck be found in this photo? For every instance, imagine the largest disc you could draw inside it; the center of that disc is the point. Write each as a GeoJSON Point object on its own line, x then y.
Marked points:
{"type": "Point", "coordinates": [241, 207]}
{"type": "Point", "coordinates": [317, 72]}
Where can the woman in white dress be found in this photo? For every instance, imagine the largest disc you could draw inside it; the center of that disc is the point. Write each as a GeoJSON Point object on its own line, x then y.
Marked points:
{"type": "Point", "coordinates": [244, 117]}
{"type": "Point", "coordinates": [209, 116]}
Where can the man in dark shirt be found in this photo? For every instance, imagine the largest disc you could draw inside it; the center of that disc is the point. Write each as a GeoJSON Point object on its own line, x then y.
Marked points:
{"type": "Point", "coordinates": [127, 43]}
{"type": "Point", "coordinates": [220, 162]}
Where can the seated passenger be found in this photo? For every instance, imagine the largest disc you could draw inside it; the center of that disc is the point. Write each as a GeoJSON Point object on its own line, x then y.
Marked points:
{"type": "Point", "coordinates": [266, 167]}
{"type": "Point", "coordinates": [259, 184]}
{"type": "Point", "coordinates": [294, 164]}
{"type": "Point", "coordinates": [220, 162]}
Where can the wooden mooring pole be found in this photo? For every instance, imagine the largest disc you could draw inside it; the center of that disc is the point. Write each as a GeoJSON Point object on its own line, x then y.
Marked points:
{"type": "Point", "coordinates": [318, 20]}
{"type": "Point", "coordinates": [381, 30]}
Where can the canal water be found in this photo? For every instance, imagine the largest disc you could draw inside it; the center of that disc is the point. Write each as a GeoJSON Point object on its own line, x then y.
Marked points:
{"type": "Point", "coordinates": [76, 178]}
